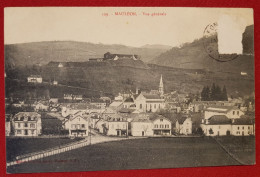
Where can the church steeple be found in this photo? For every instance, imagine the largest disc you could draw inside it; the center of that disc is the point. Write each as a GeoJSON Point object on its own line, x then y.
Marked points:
{"type": "Point", "coordinates": [161, 87]}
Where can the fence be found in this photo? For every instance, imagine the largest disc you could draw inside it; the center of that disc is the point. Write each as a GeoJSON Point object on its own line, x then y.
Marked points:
{"type": "Point", "coordinates": [48, 152]}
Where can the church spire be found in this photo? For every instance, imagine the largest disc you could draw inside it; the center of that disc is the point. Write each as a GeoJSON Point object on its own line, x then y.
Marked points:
{"type": "Point", "coordinates": [161, 86]}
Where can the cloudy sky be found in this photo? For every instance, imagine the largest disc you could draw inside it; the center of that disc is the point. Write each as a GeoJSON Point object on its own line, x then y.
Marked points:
{"type": "Point", "coordinates": [87, 24]}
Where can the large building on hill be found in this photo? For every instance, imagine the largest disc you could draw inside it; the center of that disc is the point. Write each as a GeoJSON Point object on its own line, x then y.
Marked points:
{"type": "Point", "coordinates": [110, 56]}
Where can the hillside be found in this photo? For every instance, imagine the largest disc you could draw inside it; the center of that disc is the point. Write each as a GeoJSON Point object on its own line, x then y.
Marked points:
{"type": "Point", "coordinates": [193, 56]}
{"type": "Point", "coordinates": [65, 51]}
{"type": "Point", "coordinates": [111, 77]}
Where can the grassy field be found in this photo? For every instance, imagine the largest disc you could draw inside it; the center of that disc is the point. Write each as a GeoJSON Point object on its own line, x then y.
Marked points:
{"type": "Point", "coordinates": [20, 146]}
{"type": "Point", "coordinates": [134, 154]}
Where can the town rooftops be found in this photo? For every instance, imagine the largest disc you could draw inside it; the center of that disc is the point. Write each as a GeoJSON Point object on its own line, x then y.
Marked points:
{"type": "Point", "coordinates": [222, 109]}
{"type": "Point", "coordinates": [219, 119]}
{"type": "Point", "coordinates": [243, 121]}
{"type": "Point", "coordinates": [35, 76]}
{"type": "Point", "coordinates": [115, 104]}
{"type": "Point", "coordinates": [129, 100]}
{"type": "Point", "coordinates": [27, 116]}
{"type": "Point", "coordinates": [151, 96]}
{"type": "Point", "coordinates": [155, 117]}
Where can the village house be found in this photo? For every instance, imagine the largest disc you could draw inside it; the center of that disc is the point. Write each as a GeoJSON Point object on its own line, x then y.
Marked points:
{"type": "Point", "coordinates": [184, 126]}
{"type": "Point", "coordinates": [42, 106]}
{"type": "Point", "coordinates": [34, 79]}
{"type": "Point", "coordinates": [99, 103]}
{"type": "Point", "coordinates": [27, 124]}
{"type": "Point", "coordinates": [243, 127]}
{"type": "Point", "coordinates": [93, 119]}
{"type": "Point", "coordinates": [116, 125]}
{"type": "Point", "coordinates": [129, 103]}
{"type": "Point", "coordinates": [77, 125]}
{"type": "Point", "coordinates": [221, 125]}
{"type": "Point", "coordinates": [231, 112]}
{"type": "Point", "coordinates": [161, 126]}
{"type": "Point", "coordinates": [72, 97]}
{"type": "Point", "coordinates": [142, 126]}
{"type": "Point", "coordinates": [216, 125]}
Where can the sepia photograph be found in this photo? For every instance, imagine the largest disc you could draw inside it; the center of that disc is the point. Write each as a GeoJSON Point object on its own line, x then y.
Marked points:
{"type": "Point", "coordinates": [122, 88]}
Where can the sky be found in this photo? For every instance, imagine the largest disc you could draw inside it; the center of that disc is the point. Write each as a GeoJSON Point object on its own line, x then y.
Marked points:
{"type": "Point", "coordinates": [173, 27]}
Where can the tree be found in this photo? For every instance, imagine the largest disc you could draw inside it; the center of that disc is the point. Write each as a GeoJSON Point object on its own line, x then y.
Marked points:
{"type": "Point", "coordinates": [224, 94]}
{"type": "Point", "coordinates": [213, 92]}
{"type": "Point", "coordinates": [218, 93]}
{"type": "Point", "coordinates": [207, 93]}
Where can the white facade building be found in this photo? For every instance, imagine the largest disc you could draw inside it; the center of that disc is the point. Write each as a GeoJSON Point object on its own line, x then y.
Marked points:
{"type": "Point", "coordinates": [34, 79]}
{"type": "Point", "coordinates": [27, 124]}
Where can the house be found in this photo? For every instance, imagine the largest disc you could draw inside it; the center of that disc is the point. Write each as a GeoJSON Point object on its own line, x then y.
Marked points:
{"type": "Point", "coordinates": [142, 126]}
{"type": "Point", "coordinates": [231, 112]}
{"type": "Point", "coordinates": [98, 103]}
{"type": "Point", "coordinates": [72, 97]}
{"type": "Point", "coordinates": [61, 65]}
{"type": "Point", "coordinates": [116, 125]}
{"type": "Point", "coordinates": [55, 82]}
{"type": "Point", "coordinates": [34, 79]}
{"type": "Point", "coordinates": [184, 126]}
{"type": "Point", "coordinates": [149, 102]}
{"type": "Point", "coordinates": [42, 106]}
{"type": "Point", "coordinates": [221, 125]}
{"type": "Point", "coordinates": [129, 103]}
{"type": "Point", "coordinates": [216, 125]}
{"type": "Point", "coordinates": [243, 127]}
{"type": "Point", "coordinates": [161, 125]}
{"type": "Point", "coordinates": [27, 124]}
{"type": "Point", "coordinates": [93, 119]}
{"type": "Point", "coordinates": [77, 125]}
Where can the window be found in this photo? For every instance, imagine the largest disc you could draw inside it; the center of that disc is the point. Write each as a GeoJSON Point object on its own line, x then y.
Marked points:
{"type": "Point", "coordinates": [25, 124]}
{"type": "Point", "coordinates": [248, 128]}
{"type": "Point", "coordinates": [161, 120]}
{"type": "Point", "coordinates": [82, 125]}
{"type": "Point", "coordinates": [187, 130]}
{"type": "Point", "coordinates": [161, 126]}
{"type": "Point", "coordinates": [233, 112]}
{"type": "Point", "coordinates": [159, 106]}
{"type": "Point", "coordinates": [237, 112]}
{"type": "Point", "coordinates": [238, 128]}
{"type": "Point", "coordinates": [32, 125]}
{"type": "Point", "coordinates": [141, 106]}
{"type": "Point", "coordinates": [32, 132]}
{"type": "Point", "coordinates": [167, 126]}
{"type": "Point", "coordinates": [243, 127]}
{"type": "Point", "coordinates": [19, 125]}
{"type": "Point", "coordinates": [155, 126]}
{"type": "Point", "coordinates": [154, 106]}
{"type": "Point", "coordinates": [19, 131]}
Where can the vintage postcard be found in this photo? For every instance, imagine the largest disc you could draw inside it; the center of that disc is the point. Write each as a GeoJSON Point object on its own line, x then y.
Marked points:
{"type": "Point", "coordinates": [116, 88]}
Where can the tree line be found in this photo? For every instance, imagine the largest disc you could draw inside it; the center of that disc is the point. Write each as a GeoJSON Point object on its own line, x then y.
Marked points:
{"type": "Point", "coordinates": [215, 93]}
